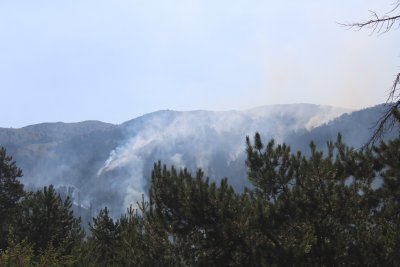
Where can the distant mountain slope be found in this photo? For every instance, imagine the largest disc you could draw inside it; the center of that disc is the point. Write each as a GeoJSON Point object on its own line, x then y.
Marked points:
{"type": "Point", "coordinates": [49, 132]}
{"type": "Point", "coordinates": [110, 164]}
{"type": "Point", "coordinates": [213, 141]}
{"type": "Point", "coordinates": [49, 151]}
{"type": "Point", "coordinates": [356, 129]}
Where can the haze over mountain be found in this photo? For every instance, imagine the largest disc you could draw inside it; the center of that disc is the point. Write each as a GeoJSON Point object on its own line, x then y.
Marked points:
{"type": "Point", "coordinates": [109, 165]}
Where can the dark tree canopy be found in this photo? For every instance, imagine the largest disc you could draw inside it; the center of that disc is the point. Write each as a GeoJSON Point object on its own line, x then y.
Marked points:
{"type": "Point", "coordinates": [47, 220]}
{"type": "Point", "coordinates": [11, 192]}
{"type": "Point", "coordinates": [334, 208]}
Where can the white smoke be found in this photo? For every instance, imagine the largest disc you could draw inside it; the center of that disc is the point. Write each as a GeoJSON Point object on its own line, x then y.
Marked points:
{"type": "Point", "coordinates": [196, 137]}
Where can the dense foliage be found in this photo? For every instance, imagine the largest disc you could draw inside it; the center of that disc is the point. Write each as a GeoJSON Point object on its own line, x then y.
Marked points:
{"type": "Point", "coordinates": [339, 208]}
{"type": "Point", "coordinates": [11, 192]}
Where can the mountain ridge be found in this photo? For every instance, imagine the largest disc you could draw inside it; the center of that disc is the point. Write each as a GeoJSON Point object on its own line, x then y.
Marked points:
{"type": "Point", "coordinates": [110, 164]}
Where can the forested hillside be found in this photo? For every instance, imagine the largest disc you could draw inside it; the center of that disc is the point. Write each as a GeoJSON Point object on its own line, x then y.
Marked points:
{"type": "Point", "coordinates": [338, 208]}
{"type": "Point", "coordinates": [101, 164]}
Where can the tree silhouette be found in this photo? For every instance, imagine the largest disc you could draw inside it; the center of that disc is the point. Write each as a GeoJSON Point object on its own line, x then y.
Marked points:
{"type": "Point", "coordinates": [11, 192]}
{"type": "Point", "coordinates": [382, 24]}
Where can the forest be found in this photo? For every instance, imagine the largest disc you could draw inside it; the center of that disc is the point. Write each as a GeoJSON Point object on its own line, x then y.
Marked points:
{"type": "Point", "coordinates": [338, 208]}
{"type": "Point", "coordinates": [333, 206]}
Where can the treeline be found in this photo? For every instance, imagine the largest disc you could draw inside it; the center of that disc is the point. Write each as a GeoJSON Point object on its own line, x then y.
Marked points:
{"type": "Point", "coordinates": [341, 208]}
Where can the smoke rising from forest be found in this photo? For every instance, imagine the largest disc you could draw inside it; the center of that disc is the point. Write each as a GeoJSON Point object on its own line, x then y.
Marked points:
{"type": "Point", "coordinates": [199, 139]}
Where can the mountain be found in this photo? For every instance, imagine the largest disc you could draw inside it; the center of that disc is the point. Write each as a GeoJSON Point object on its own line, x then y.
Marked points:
{"type": "Point", "coordinates": [356, 129]}
{"type": "Point", "coordinates": [101, 164]}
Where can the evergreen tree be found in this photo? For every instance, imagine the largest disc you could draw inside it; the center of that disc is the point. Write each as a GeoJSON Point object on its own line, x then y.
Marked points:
{"type": "Point", "coordinates": [204, 222]}
{"type": "Point", "coordinates": [105, 241]}
{"type": "Point", "coordinates": [11, 193]}
{"type": "Point", "coordinates": [17, 254]}
{"type": "Point", "coordinates": [145, 241]}
{"type": "Point", "coordinates": [386, 223]}
{"type": "Point", "coordinates": [324, 210]}
{"type": "Point", "coordinates": [48, 223]}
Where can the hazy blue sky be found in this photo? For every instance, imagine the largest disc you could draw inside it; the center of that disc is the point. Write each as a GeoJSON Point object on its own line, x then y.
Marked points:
{"type": "Point", "coordinates": [114, 60]}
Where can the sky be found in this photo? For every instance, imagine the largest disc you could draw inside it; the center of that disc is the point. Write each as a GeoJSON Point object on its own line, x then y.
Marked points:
{"type": "Point", "coordinates": [114, 60]}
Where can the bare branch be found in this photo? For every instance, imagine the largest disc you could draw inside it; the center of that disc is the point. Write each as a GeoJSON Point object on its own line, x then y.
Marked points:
{"type": "Point", "coordinates": [378, 24]}
{"type": "Point", "coordinates": [392, 95]}
{"type": "Point", "coordinates": [396, 5]}
{"type": "Point", "coordinates": [383, 24]}
{"type": "Point", "coordinates": [388, 120]}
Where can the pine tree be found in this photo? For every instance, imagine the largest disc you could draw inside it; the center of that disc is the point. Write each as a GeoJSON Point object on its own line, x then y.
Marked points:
{"type": "Point", "coordinates": [205, 222]}
{"type": "Point", "coordinates": [48, 223]}
{"type": "Point", "coordinates": [387, 216]}
{"type": "Point", "coordinates": [105, 241]}
{"type": "Point", "coordinates": [18, 254]}
{"type": "Point", "coordinates": [11, 193]}
{"type": "Point", "coordinates": [324, 210]}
